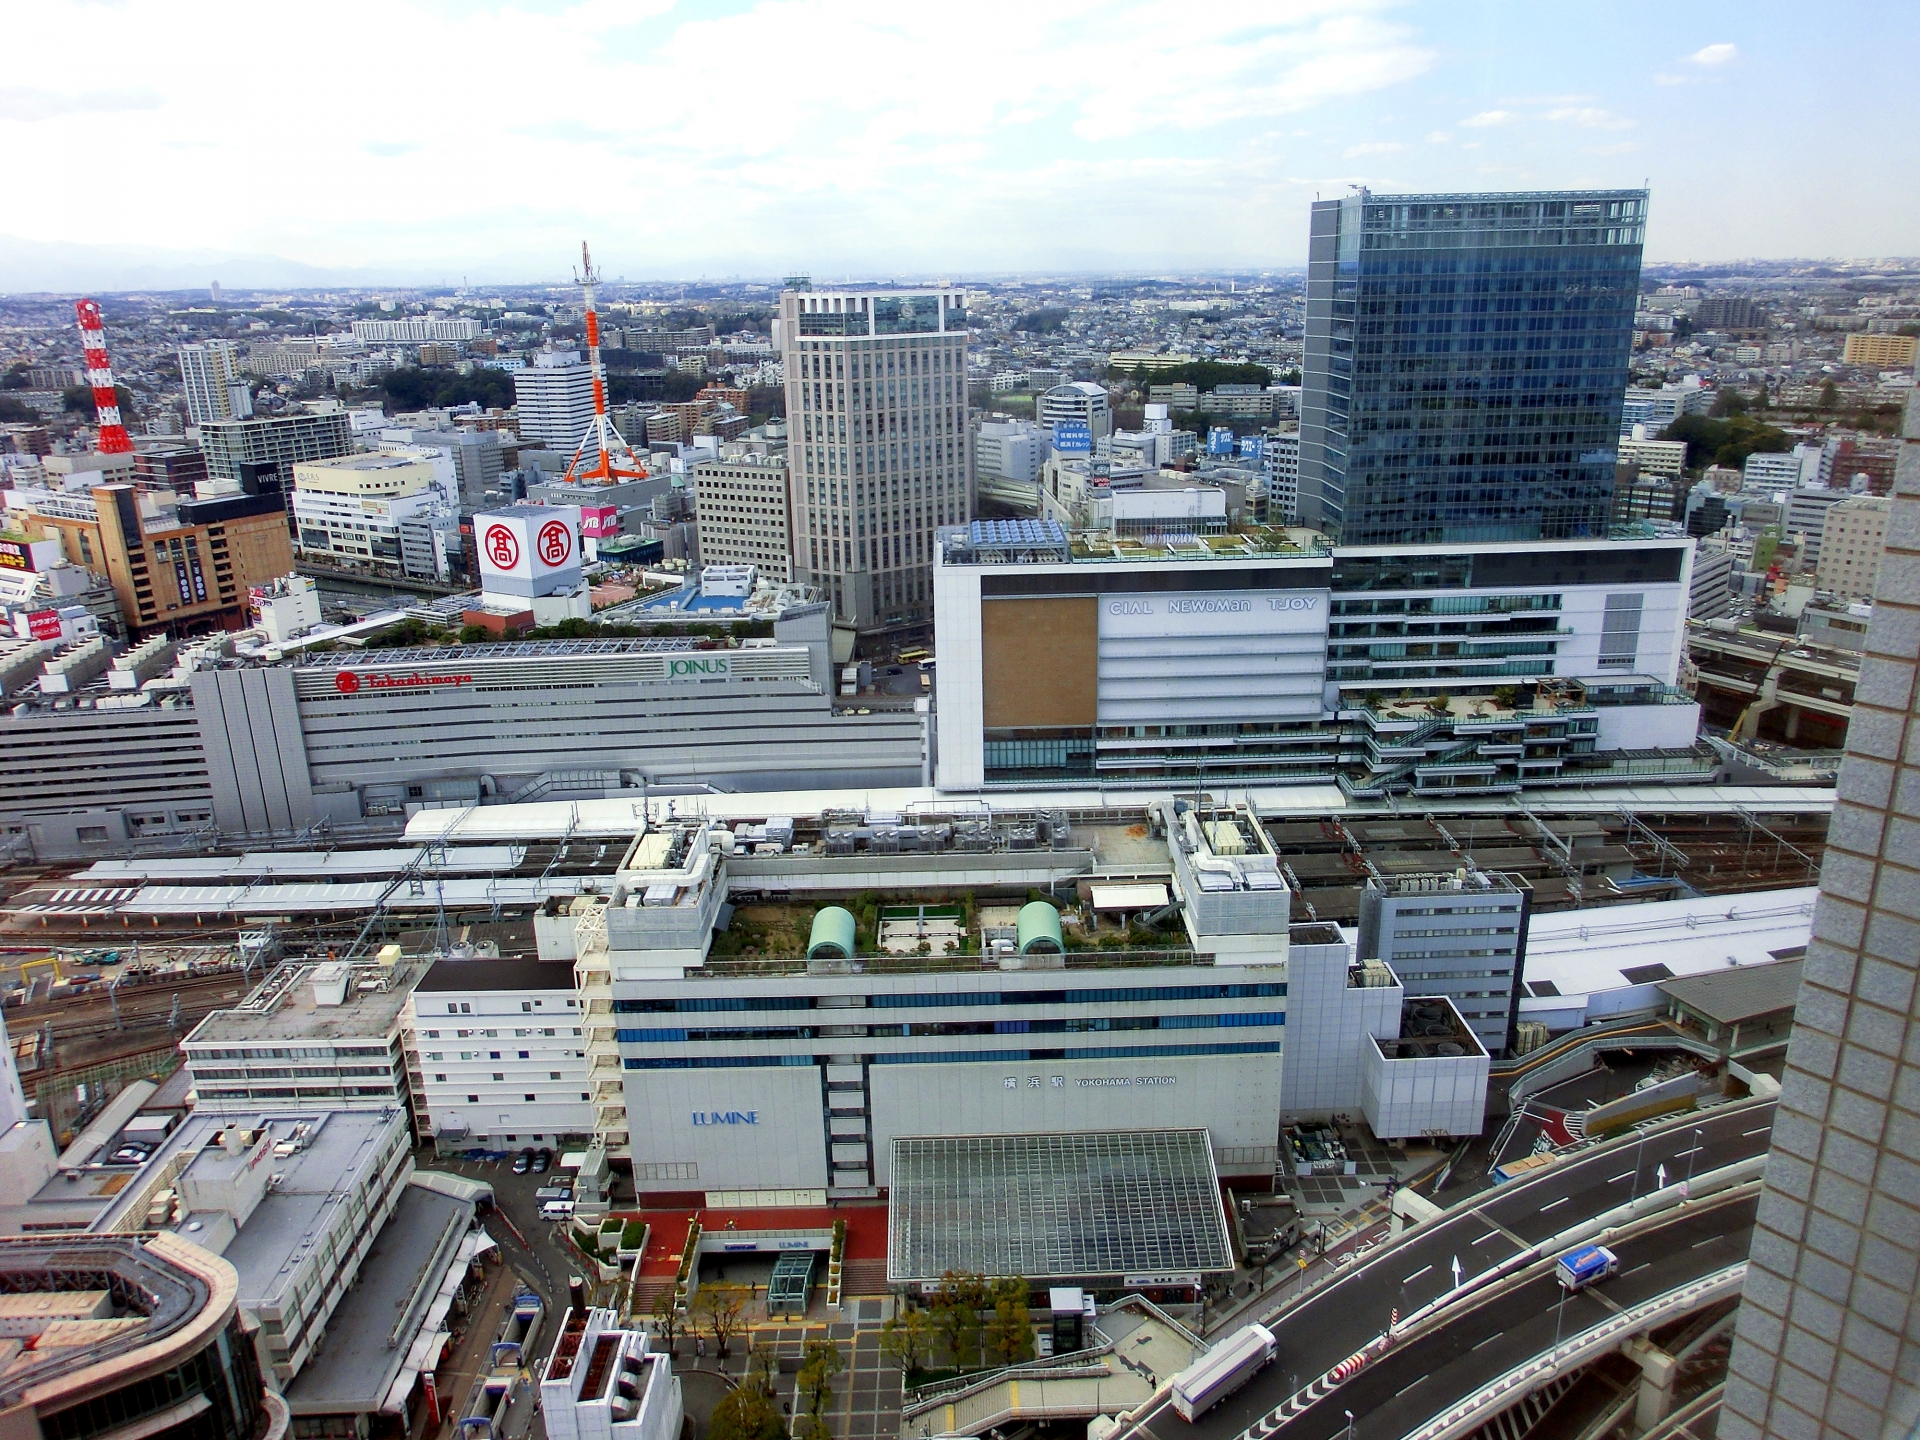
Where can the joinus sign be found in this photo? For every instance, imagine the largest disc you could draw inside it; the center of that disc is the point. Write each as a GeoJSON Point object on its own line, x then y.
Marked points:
{"type": "Point", "coordinates": [699, 667]}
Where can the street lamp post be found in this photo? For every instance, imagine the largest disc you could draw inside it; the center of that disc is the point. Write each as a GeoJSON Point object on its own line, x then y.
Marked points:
{"type": "Point", "coordinates": [1692, 1153]}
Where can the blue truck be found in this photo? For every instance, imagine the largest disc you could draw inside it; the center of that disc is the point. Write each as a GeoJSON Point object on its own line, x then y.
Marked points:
{"type": "Point", "coordinates": [1585, 1265]}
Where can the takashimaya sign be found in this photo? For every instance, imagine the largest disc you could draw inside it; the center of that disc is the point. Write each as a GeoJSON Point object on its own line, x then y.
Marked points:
{"type": "Point", "coordinates": [349, 683]}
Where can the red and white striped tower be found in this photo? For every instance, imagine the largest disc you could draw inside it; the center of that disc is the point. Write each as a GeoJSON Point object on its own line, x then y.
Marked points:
{"type": "Point", "coordinates": [106, 398]}
{"type": "Point", "coordinates": [603, 454]}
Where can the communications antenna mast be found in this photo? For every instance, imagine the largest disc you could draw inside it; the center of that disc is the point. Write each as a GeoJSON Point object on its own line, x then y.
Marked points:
{"type": "Point", "coordinates": [106, 398]}
{"type": "Point", "coordinates": [603, 454]}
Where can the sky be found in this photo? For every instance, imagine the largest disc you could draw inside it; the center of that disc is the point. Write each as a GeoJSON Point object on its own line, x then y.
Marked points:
{"type": "Point", "coordinates": [436, 140]}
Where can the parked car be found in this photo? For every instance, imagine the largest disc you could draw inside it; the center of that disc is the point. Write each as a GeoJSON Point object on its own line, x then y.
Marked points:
{"type": "Point", "coordinates": [542, 1160]}
{"type": "Point", "coordinates": [557, 1210]}
{"type": "Point", "coordinates": [523, 1162]}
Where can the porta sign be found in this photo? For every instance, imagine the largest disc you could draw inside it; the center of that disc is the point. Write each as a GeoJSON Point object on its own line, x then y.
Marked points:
{"type": "Point", "coordinates": [529, 550]}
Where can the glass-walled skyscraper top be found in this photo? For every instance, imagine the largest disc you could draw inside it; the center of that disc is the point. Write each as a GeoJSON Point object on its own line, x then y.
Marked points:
{"type": "Point", "coordinates": [1466, 363]}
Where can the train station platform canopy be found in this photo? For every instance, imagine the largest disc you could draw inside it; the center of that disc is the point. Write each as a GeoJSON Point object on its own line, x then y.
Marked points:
{"type": "Point", "coordinates": [1104, 1209]}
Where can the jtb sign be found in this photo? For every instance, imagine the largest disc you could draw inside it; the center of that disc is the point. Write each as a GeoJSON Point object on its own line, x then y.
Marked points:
{"type": "Point", "coordinates": [726, 1117]}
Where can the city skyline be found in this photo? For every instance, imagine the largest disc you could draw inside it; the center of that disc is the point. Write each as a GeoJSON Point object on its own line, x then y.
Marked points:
{"type": "Point", "coordinates": [952, 149]}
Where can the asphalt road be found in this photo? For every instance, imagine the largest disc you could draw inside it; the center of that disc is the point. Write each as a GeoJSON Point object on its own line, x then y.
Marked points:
{"type": "Point", "coordinates": [1345, 1315]}
{"type": "Point", "coordinates": [1405, 1388]}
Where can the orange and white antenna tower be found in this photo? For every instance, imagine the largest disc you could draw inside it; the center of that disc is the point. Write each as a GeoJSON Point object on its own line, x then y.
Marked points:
{"type": "Point", "coordinates": [106, 398]}
{"type": "Point", "coordinates": [603, 454]}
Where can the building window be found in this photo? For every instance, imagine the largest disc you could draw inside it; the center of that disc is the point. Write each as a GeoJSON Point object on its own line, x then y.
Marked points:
{"type": "Point", "coordinates": [473, 1099]}
{"type": "Point", "coordinates": [439, 1079]}
{"type": "Point", "coordinates": [499, 1075]}
{"type": "Point", "coordinates": [529, 1099]}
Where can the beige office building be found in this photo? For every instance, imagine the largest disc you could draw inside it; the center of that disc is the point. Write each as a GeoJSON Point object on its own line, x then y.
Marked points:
{"type": "Point", "coordinates": [880, 447]}
{"type": "Point", "coordinates": [1851, 540]}
{"type": "Point", "coordinates": [744, 516]}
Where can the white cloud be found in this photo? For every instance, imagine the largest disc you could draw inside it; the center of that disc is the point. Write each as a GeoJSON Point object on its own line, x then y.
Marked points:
{"type": "Point", "coordinates": [1374, 147]}
{"type": "Point", "coordinates": [1624, 147]}
{"type": "Point", "coordinates": [1590, 118]}
{"type": "Point", "coordinates": [20, 102]}
{"type": "Point", "coordinates": [1721, 54]}
{"type": "Point", "coordinates": [1490, 117]}
{"type": "Point", "coordinates": [1665, 79]}
{"type": "Point", "coordinates": [1438, 137]}
{"type": "Point", "coordinates": [909, 142]}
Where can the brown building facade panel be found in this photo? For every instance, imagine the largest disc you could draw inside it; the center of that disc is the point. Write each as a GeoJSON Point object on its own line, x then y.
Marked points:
{"type": "Point", "coordinates": [1040, 662]}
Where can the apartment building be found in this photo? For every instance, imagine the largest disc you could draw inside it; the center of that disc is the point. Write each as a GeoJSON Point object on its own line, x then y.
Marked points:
{"type": "Point", "coordinates": [1852, 538]}
{"type": "Point", "coordinates": [263, 448]}
{"type": "Point", "coordinates": [553, 398]}
{"type": "Point", "coordinates": [215, 382]}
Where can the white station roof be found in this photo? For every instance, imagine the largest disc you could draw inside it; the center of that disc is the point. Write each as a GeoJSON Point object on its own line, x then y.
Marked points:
{"type": "Point", "coordinates": [551, 819]}
{"type": "Point", "coordinates": [1585, 966]}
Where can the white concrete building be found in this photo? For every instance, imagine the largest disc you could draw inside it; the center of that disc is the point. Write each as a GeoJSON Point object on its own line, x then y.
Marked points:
{"type": "Point", "coordinates": [1077, 402]}
{"type": "Point", "coordinates": [553, 398]}
{"type": "Point", "coordinates": [497, 1056]}
{"type": "Point", "coordinates": [605, 1383]}
{"type": "Point", "coordinates": [378, 511]}
{"type": "Point", "coordinates": [311, 1035]}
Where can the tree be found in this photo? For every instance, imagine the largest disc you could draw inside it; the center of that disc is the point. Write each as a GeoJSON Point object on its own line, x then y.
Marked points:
{"type": "Point", "coordinates": [746, 1413]}
{"type": "Point", "coordinates": [1829, 396]}
{"type": "Point", "coordinates": [820, 1362]}
{"type": "Point", "coordinates": [722, 1310]}
{"type": "Point", "coordinates": [956, 1315]}
{"type": "Point", "coordinates": [763, 1366]}
{"type": "Point", "coordinates": [1726, 441]}
{"type": "Point", "coordinates": [907, 1339]}
{"type": "Point", "coordinates": [666, 1318]}
{"type": "Point", "coordinates": [1007, 1338]}
{"type": "Point", "coordinates": [13, 412]}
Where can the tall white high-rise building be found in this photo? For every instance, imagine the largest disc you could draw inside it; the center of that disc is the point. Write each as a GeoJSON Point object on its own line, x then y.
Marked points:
{"type": "Point", "coordinates": [880, 447]}
{"type": "Point", "coordinates": [554, 400]}
{"type": "Point", "coordinates": [216, 387]}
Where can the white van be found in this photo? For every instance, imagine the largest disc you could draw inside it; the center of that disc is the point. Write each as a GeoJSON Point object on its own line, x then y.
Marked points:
{"type": "Point", "coordinates": [557, 1210]}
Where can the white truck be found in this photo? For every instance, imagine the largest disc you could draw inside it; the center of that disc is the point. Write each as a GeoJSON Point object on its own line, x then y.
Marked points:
{"type": "Point", "coordinates": [1222, 1370]}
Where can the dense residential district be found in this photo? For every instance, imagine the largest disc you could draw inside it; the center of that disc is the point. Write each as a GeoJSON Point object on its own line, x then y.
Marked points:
{"type": "Point", "coordinates": [1117, 857]}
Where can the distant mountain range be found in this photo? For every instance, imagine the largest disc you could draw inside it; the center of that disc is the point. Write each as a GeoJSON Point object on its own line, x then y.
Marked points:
{"type": "Point", "coordinates": [36, 266]}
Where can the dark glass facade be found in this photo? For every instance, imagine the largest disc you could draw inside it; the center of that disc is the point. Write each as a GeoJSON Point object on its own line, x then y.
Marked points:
{"type": "Point", "coordinates": [1466, 363]}
{"type": "Point", "coordinates": [225, 1374]}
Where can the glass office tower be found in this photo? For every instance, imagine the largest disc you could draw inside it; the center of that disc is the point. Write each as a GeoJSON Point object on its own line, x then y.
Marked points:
{"type": "Point", "coordinates": [1466, 363]}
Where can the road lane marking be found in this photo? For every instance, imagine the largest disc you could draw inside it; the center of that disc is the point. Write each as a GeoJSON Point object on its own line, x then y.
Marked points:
{"type": "Point", "coordinates": [1403, 1389]}
{"type": "Point", "coordinates": [1490, 1339]}
{"type": "Point", "coordinates": [1760, 1130]}
{"type": "Point", "coordinates": [1416, 1275]}
{"type": "Point", "coordinates": [1694, 1151]}
{"type": "Point", "coordinates": [1643, 1265]}
{"type": "Point", "coordinates": [1553, 1203]}
{"type": "Point", "coordinates": [1616, 1179]}
{"type": "Point", "coordinates": [1490, 1235]}
{"type": "Point", "coordinates": [1708, 1241]}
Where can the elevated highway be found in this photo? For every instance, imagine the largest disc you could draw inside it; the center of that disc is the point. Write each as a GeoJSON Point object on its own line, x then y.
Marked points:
{"type": "Point", "coordinates": [1447, 1380]}
{"type": "Point", "coordinates": [1489, 1237]}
